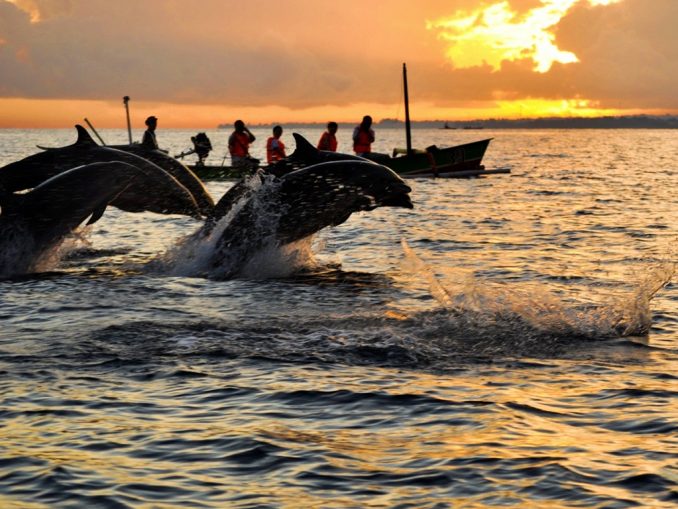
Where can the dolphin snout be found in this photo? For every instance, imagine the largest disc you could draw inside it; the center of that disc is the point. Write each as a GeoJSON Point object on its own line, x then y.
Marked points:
{"type": "Point", "coordinates": [397, 195]}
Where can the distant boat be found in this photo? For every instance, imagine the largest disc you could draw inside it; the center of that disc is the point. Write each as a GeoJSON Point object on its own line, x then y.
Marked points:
{"type": "Point", "coordinates": [447, 126]}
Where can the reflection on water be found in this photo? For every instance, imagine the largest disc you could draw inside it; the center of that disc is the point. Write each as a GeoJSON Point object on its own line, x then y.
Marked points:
{"type": "Point", "coordinates": [510, 341]}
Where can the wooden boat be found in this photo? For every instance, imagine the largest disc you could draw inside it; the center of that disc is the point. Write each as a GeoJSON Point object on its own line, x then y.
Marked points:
{"type": "Point", "coordinates": [451, 162]}
{"type": "Point", "coordinates": [458, 161]}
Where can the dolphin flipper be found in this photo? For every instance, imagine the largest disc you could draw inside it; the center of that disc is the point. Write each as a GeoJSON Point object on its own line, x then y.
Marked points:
{"type": "Point", "coordinates": [97, 214]}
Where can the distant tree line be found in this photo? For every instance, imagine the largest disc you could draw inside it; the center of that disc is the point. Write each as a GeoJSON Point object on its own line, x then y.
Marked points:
{"type": "Point", "coordinates": [621, 122]}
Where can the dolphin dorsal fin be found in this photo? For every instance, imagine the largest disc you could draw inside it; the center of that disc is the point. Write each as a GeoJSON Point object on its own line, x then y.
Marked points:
{"type": "Point", "coordinates": [304, 148]}
{"type": "Point", "coordinates": [84, 136]}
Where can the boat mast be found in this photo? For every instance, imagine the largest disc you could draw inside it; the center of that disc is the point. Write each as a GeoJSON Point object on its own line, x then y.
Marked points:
{"type": "Point", "coordinates": [408, 133]}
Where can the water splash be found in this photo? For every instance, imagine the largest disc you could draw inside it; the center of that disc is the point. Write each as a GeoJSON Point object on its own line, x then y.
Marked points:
{"type": "Point", "coordinates": [20, 254]}
{"type": "Point", "coordinates": [487, 303]}
{"type": "Point", "coordinates": [257, 255]}
{"type": "Point", "coordinates": [75, 241]}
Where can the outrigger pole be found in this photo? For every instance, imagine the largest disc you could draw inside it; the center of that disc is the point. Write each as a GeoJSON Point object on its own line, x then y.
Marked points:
{"type": "Point", "coordinates": [95, 132]}
{"type": "Point", "coordinates": [408, 133]}
{"type": "Point", "coordinates": [125, 101]}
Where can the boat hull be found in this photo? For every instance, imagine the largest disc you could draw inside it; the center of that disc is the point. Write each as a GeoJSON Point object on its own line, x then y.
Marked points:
{"type": "Point", "coordinates": [205, 172]}
{"type": "Point", "coordinates": [458, 161]}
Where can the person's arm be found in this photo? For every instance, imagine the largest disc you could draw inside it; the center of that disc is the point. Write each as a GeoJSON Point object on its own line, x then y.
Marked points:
{"type": "Point", "coordinates": [249, 133]}
{"type": "Point", "coordinates": [371, 135]}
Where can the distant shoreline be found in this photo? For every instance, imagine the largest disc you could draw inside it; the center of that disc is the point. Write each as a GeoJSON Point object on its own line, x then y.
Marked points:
{"type": "Point", "coordinates": [625, 122]}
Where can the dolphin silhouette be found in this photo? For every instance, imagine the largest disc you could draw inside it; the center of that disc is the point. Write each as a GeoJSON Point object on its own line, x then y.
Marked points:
{"type": "Point", "coordinates": [34, 223]}
{"type": "Point", "coordinates": [175, 168]}
{"type": "Point", "coordinates": [288, 208]}
{"type": "Point", "coordinates": [156, 190]}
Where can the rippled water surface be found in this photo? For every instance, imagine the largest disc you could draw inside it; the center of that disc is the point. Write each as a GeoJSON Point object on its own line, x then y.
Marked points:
{"type": "Point", "coordinates": [512, 341]}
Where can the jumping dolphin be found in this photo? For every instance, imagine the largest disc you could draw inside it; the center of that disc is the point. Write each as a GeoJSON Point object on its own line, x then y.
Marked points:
{"type": "Point", "coordinates": [34, 223]}
{"type": "Point", "coordinates": [156, 191]}
{"type": "Point", "coordinates": [289, 208]}
{"type": "Point", "coordinates": [178, 170]}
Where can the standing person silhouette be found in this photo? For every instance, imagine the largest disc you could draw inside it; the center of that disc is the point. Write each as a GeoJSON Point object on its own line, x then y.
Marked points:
{"type": "Point", "coordinates": [149, 140]}
{"type": "Point", "coordinates": [363, 137]}
{"type": "Point", "coordinates": [275, 148]}
{"type": "Point", "coordinates": [328, 140]}
{"type": "Point", "coordinates": [239, 147]}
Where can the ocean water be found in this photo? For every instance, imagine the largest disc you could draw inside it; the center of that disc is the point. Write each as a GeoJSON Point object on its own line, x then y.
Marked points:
{"type": "Point", "coordinates": [512, 341]}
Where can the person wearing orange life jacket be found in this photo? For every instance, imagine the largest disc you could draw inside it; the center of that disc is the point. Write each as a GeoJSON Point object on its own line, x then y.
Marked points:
{"type": "Point", "coordinates": [328, 140]}
{"type": "Point", "coordinates": [275, 148]}
{"type": "Point", "coordinates": [239, 147]}
{"type": "Point", "coordinates": [363, 137]}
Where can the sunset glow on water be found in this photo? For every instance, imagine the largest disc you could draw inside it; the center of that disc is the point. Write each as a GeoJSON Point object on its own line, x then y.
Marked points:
{"type": "Point", "coordinates": [511, 340]}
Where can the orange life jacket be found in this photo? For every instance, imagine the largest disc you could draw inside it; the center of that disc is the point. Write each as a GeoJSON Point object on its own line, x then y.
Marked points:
{"type": "Point", "coordinates": [328, 142]}
{"type": "Point", "coordinates": [239, 144]}
{"type": "Point", "coordinates": [362, 142]}
{"type": "Point", "coordinates": [274, 151]}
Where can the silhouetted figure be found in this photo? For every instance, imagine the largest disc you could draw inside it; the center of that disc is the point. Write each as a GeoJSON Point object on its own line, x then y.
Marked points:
{"type": "Point", "coordinates": [149, 140]}
{"type": "Point", "coordinates": [328, 140]}
{"type": "Point", "coordinates": [239, 147]}
{"type": "Point", "coordinates": [202, 146]}
{"type": "Point", "coordinates": [275, 148]}
{"type": "Point", "coordinates": [363, 137]}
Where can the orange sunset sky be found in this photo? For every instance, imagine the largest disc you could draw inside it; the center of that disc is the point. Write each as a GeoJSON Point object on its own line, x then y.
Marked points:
{"type": "Point", "coordinates": [199, 63]}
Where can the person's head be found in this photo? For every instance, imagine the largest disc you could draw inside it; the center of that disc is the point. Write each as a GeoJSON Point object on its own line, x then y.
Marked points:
{"type": "Point", "coordinates": [277, 131]}
{"type": "Point", "coordinates": [332, 127]}
{"type": "Point", "coordinates": [367, 122]}
{"type": "Point", "coordinates": [239, 125]}
{"type": "Point", "coordinates": [151, 122]}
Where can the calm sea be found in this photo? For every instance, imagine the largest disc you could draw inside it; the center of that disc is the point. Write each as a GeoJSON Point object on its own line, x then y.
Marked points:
{"type": "Point", "coordinates": [512, 341]}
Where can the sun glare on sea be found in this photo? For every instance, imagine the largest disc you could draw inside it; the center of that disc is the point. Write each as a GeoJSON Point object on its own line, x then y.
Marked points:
{"type": "Point", "coordinates": [530, 108]}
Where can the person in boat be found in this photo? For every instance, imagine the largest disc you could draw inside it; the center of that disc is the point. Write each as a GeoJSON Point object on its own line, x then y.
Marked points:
{"type": "Point", "coordinates": [149, 139]}
{"type": "Point", "coordinates": [328, 140]}
{"type": "Point", "coordinates": [239, 147]}
{"type": "Point", "coordinates": [363, 137]}
{"type": "Point", "coordinates": [202, 147]}
{"type": "Point", "coordinates": [275, 148]}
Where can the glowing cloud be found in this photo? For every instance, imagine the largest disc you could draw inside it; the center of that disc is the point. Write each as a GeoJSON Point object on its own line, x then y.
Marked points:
{"type": "Point", "coordinates": [494, 34]}
{"type": "Point", "coordinates": [39, 10]}
{"type": "Point", "coordinates": [28, 7]}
